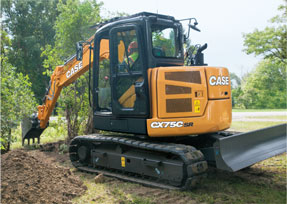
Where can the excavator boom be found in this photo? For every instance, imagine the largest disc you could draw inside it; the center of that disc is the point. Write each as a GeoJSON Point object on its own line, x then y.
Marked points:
{"type": "Point", "coordinates": [62, 76]}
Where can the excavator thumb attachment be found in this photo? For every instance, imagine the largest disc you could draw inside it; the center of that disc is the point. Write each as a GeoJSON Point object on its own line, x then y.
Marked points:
{"type": "Point", "coordinates": [238, 151]}
{"type": "Point", "coordinates": [31, 129]}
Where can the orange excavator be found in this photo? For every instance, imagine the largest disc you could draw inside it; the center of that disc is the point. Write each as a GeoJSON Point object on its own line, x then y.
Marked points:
{"type": "Point", "coordinates": [172, 116]}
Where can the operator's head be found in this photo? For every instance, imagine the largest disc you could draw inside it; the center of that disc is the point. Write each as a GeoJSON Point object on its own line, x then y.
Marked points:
{"type": "Point", "coordinates": [133, 47]}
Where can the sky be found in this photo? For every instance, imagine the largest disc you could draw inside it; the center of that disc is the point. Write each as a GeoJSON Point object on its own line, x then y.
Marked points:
{"type": "Point", "coordinates": [222, 24]}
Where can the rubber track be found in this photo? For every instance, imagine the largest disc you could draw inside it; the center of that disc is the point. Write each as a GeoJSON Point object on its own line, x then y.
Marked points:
{"type": "Point", "coordinates": [193, 160]}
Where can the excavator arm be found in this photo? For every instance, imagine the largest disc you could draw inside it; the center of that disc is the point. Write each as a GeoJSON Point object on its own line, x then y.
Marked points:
{"type": "Point", "coordinates": [62, 76]}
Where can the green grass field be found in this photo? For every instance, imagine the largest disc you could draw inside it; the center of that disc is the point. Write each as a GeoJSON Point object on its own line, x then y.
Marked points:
{"type": "Point", "coordinates": [243, 126]}
{"type": "Point", "coordinates": [258, 110]}
{"type": "Point", "coordinates": [270, 117]}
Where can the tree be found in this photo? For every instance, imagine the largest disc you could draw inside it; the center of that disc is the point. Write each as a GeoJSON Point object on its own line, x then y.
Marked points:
{"type": "Point", "coordinates": [235, 88]}
{"type": "Point", "coordinates": [17, 100]}
{"type": "Point", "coordinates": [72, 25]}
{"type": "Point", "coordinates": [270, 42]}
{"type": "Point", "coordinates": [30, 24]}
{"type": "Point", "coordinates": [235, 80]}
{"type": "Point", "coordinates": [5, 44]}
{"type": "Point", "coordinates": [265, 86]}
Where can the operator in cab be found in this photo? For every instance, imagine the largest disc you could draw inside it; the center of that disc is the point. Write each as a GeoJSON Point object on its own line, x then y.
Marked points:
{"type": "Point", "coordinates": [129, 62]}
{"type": "Point", "coordinates": [128, 95]}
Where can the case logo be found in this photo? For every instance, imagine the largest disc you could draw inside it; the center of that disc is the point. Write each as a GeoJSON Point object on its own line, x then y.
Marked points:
{"type": "Point", "coordinates": [74, 69]}
{"type": "Point", "coordinates": [220, 80]}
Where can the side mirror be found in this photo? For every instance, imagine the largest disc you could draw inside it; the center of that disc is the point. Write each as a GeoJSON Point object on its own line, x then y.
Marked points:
{"type": "Point", "coordinates": [194, 27]}
{"type": "Point", "coordinates": [79, 54]}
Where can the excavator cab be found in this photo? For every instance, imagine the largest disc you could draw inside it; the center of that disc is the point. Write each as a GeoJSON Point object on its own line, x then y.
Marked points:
{"type": "Point", "coordinates": [121, 84]}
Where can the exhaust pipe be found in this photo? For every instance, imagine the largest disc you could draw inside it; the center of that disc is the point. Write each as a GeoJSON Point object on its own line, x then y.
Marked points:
{"type": "Point", "coordinates": [31, 129]}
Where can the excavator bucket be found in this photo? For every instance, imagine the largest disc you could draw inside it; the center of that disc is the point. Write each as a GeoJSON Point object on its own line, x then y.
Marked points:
{"type": "Point", "coordinates": [30, 129]}
{"type": "Point", "coordinates": [241, 150]}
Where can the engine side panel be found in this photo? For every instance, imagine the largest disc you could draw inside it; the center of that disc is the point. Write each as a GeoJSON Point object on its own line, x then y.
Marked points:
{"type": "Point", "coordinates": [197, 106]}
{"type": "Point", "coordinates": [182, 92]}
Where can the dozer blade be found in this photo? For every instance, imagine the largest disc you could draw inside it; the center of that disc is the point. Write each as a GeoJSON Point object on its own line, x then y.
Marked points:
{"type": "Point", "coordinates": [30, 129]}
{"type": "Point", "coordinates": [241, 150]}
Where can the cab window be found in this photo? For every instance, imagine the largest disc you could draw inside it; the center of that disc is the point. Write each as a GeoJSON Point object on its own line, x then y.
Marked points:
{"type": "Point", "coordinates": [165, 41]}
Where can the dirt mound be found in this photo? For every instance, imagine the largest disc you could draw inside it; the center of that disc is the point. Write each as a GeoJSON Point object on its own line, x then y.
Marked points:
{"type": "Point", "coordinates": [27, 179]}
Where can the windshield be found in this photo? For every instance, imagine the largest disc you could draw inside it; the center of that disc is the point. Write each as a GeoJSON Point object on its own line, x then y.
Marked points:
{"type": "Point", "coordinates": [165, 41]}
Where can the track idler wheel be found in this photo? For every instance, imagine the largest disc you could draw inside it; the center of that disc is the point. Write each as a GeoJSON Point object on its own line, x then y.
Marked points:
{"type": "Point", "coordinates": [83, 153]}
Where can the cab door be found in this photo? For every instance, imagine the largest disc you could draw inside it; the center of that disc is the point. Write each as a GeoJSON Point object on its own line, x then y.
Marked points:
{"type": "Point", "coordinates": [129, 84]}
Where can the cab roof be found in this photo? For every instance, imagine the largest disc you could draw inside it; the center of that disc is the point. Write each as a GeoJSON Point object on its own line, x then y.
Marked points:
{"type": "Point", "coordinates": [141, 14]}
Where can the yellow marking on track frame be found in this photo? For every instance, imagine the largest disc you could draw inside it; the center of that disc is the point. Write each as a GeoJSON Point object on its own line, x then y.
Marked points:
{"type": "Point", "coordinates": [123, 161]}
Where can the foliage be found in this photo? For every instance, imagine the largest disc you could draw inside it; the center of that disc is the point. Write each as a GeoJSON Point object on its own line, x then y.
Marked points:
{"type": "Point", "coordinates": [270, 42]}
{"type": "Point", "coordinates": [57, 131]}
{"type": "Point", "coordinates": [265, 87]}
{"type": "Point", "coordinates": [17, 100]}
{"type": "Point", "coordinates": [72, 25]}
{"type": "Point", "coordinates": [5, 43]}
{"type": "Point", "coordinates": [74, 104]}
{"type": "Point", "coordinates": [236, 100]}
{"type": "Point", "coordinates": [165, 40]}
{"type": "Point", "coordinates": [235, 90]}
{"type": "Point", "coordinates": [74, 22]}
{"type": "Point", "coordinates": [30, 24]}
{"type": "Point", "coordinates": [235, 80]}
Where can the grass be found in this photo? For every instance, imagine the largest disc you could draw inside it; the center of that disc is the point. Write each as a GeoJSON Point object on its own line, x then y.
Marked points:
{"type": "Point", "coordinates": [109, 192]}
{"type": "Point", "coordinates": [270, 117]}
{"type": "Point", "coordinates": [244, 126]}
{"type": "Point", "coordinates": [258, 110]}
{"type": "Point", "coordinates": [222, 188]}
{"type": "Point", "coordinates": [55, 132]}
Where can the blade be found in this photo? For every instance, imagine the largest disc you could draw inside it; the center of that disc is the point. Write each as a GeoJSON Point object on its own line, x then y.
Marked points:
{"type": "Point", "coordinates": [242, 150]}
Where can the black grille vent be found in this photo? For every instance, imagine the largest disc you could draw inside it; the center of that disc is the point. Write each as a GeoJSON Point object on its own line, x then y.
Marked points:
{"type": "Point", "coordinates": [178, 105]}
{"type": "Point", "coordinates": [170, 89]}
{"type": "Point", "coordinates": [188, 76]}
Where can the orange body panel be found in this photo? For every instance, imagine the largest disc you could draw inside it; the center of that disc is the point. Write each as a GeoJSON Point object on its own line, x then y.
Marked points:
{"type": "Point", "coordinates": [189, 89]}
{"type": "Point", "coordinates": [218, 83]}
{"type": "Point", "coordinates": [206, 110]}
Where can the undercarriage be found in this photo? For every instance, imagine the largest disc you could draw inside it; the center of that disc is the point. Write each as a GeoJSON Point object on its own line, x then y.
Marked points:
{"type": "Point", "coordinates": [165, 165]}
{"type": "Point", "coordinates": [174, 162]}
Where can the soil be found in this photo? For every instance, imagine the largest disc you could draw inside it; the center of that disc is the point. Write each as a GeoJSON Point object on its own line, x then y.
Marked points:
{"type": "Point", "coordinates": [31, 177]}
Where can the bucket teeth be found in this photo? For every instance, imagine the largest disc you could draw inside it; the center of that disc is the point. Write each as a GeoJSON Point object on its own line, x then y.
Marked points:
{"type": "Point", "coordinates": [33, 140]}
